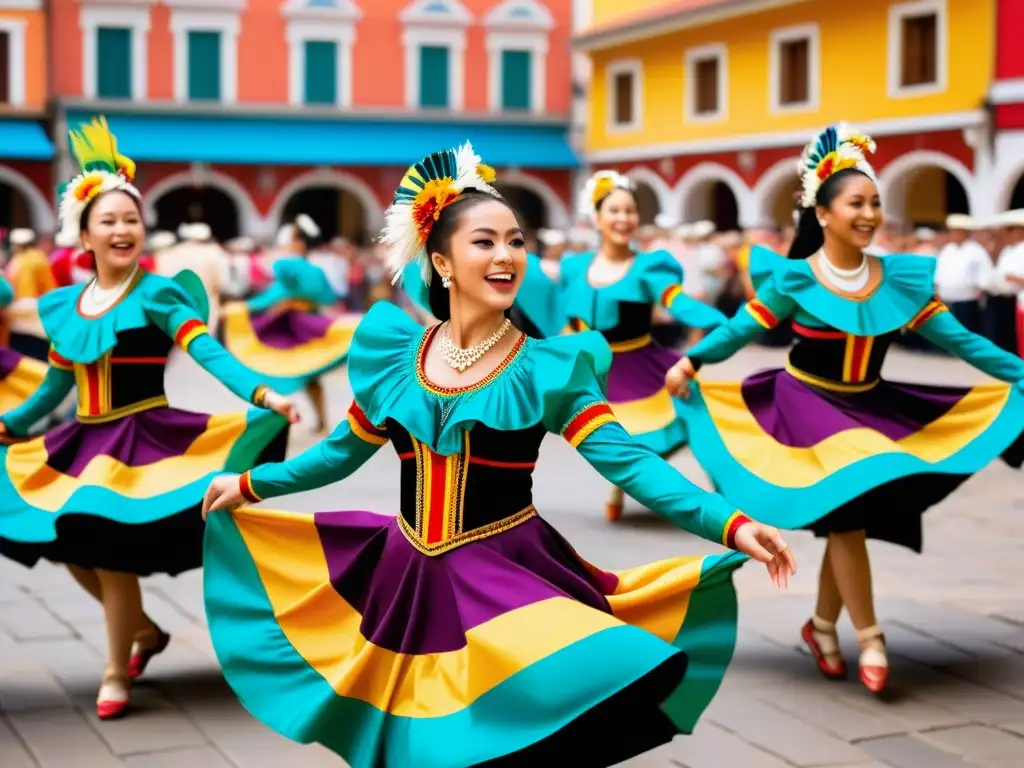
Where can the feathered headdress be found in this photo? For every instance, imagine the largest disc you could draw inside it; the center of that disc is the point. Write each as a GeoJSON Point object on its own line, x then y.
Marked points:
{"type": "Point", "coordinates": [838, 147]}
{"type": "Point", "coordinates": [104, 169]}
{"type": "Point", "coordinates": [428, 188]}
{"type": "Point", "coordinates": [598, 187]}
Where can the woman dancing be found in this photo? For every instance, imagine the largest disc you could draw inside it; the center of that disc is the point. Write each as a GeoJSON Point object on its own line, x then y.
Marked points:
{"type": "Point", "coordinates": [280, 333]}
{"type": "Point", "coordinates": [466, 631]}
{"type": "Point", "coordinates": [826, 443]}
{"type": "Point", "coordinates": [115, 494]}
{"type": "Point", "coordinates": [20, 375]}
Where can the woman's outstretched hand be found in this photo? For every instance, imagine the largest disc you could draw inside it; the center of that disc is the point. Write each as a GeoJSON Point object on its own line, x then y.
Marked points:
{"type": "Point", "coordinates": [224, 493]}
{"type": "Point", "coordinates": [678, 378]}
{"type": "Point", "coordinates": [282, 405]}
{"type": "Point", "coordinates": [765, 544]}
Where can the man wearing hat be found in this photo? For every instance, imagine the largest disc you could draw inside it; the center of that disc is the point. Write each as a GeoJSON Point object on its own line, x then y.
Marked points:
{"type": "Point", "coordinates": [1000, 316]}
{"type": "Point", "coordinates": [238, 281]}
{"type": "Point", "coordinates": [962, 272]}
{"type": "Point", "coordinates": [199, 253]}
{"type": "Point", "coordinates": [551, 243]}
{"type": "Point", "coordinates": [30, 275]}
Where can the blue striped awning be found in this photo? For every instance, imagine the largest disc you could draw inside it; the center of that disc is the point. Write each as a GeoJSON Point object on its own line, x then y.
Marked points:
{"type": "Point", "coordinates": [236, 139]}
{"type": "Point", "coordinates": [24, 140]}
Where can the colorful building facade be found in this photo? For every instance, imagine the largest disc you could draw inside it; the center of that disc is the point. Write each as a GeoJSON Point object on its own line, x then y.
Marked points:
{"type": "Point", "coordinates": [243, 112]}
{"type": "Point", "coordinates": [707, 103]}
{"type": "Point", "coordinates": [1007, 105]}
{"type": "Point", "coordinates": [25, 148]}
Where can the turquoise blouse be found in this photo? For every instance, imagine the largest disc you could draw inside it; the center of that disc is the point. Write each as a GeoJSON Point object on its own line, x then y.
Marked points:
{"type": "Point", "coordinates": [295, 279]}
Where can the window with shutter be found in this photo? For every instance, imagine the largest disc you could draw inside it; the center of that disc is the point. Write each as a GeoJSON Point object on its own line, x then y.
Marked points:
{"type": "Point", "coordinates": [706, 93]}
{"type": "Point", "coordinates": [515, 80]}
{"type": "Point", "coordinates": [113, 62]}
{"type": "Point", "coordinates": [204, 66]}
{"type": "Point", "coordinates": [919, 37]}
{"type": "Point", "coordinates": [5, 67]}
{"type": "Point", "coordinates": [623, 86]}
{"type": "Point", "coordinates": [434, 66]}
{"type": "Point", "coordinates": [321, 72]}
{"type": "Point", "coordinates": [794, 72]}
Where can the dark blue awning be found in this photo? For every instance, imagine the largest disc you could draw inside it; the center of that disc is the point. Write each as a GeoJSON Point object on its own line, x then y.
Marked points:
{"type": "Point", "coordinates": [234, 139]}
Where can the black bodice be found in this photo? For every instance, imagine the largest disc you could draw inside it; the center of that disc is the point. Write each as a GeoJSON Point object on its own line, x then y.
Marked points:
{"type": "Point", "coordinates": [127, 378]}
{"type": "Point", "coordinates": [838, 358]}
{"type": "Point", "coordinates": [635, 321]}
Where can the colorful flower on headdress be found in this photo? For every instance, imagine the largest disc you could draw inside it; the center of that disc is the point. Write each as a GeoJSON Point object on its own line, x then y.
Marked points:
{"type": "Point", "coordinates": [598, 187]}
{"type": "Point", "coordinates": [426, 190]}
{"type": "Point", "coordinates": [836, 148]}
{"type": "Point", "coordinates": [104, 169]}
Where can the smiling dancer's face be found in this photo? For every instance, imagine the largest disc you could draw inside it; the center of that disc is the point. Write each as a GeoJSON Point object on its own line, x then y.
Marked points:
{"type": "Point", "coordinates": [114, 232]}
{"type": "Point", "coordinates": [618, 217]}
{"type": "Point", "coordinates": [486, 257]}
{"type": "Point", "coordinates": [855, 213]}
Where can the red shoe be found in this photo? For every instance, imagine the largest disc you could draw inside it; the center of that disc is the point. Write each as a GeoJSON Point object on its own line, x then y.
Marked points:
{"type": "Point", "coordinates": [141, 657]}
{"type": "Point", "coordinates": [613, 512]}
{"type": "Point", "coordinates": [824, 646]}
{"type": "Point", "coordinates": [874, 663]}
{"type": "Point", "coordinates": [113, 708]}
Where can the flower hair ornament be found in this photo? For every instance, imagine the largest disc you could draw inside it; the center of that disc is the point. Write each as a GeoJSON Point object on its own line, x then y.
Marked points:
{"type": "Point", "coordinates": [598, 187]}
{"type": "Point", "coordinates": [836, 148]}
{"type": "Point", "coordinates": [427, 188]}
{"type": "Point", "coordinates": [104, 169]}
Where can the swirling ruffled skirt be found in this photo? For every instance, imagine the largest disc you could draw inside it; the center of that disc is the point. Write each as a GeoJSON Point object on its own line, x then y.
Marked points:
{"type": "Point", "coordinates": [20, 376]}
{"type": "Point", "coordinates": [290, 348]}
{"type": "Point", "coordinates": [637, 395]}
{"type": "Point", "coordinates": [796, 456]}
{"type": "Point", "coordinates": [333, 628]}
{"type": "Point", "coordinates": [125, 495]}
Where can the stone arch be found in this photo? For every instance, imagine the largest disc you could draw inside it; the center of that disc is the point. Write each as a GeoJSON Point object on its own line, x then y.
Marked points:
{"type": "Point", "coordinates": [249, 218]}
{"type": "Point", "coordinates": [373, 211]}
{"type": "Point", "coordinates": [705, 176]}
{"type": "Point", "coordinates": [896, 176]}
{"type": "Point", "coordinates": [778, 179]}
{"type": "Point", "coordinates": [557, 211]}
{"type": "Point", "coordinates": [40, 209]}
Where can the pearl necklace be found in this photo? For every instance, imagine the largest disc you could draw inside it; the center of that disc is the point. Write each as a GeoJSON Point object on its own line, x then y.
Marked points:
{"type": "Point", "coordinates": [845, 279]}
{"type": "Point", "coordinates": [97, 299]}
{"type": "Point", "coordinates": [460, 359]}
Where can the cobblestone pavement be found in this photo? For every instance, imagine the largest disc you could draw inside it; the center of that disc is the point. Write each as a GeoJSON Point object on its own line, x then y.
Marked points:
{"type": "Point", "coordinates": [954, 619]}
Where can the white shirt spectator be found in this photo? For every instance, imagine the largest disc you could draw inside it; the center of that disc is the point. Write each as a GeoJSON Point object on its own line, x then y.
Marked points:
{"type": "Point", "coordinates": [1011, 262]}
{"type": "Point", "coordinates": [963, 272]}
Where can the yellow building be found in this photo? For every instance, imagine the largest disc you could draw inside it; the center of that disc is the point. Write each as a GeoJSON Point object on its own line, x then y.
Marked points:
{"type": "Point", "coordinates": [707, 103]}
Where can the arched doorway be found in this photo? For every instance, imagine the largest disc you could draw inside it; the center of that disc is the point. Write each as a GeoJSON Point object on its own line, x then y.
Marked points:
{"type": "Point", "coordinates": [530, 206]}
{"type": "Point", "coordinates": [15, 210]}
{"type": "Point", "coordinates": [338, 212]}
{"type": "Point", "coordinates": [1017, 196]}
{"type": "Point", "coordinates": [188, 204]}
{"type": "Point", "coordinates": [715, 201]}
{"type": "Point", "coordinates": [926, 196]}
{"type": "Point", "coordinates": [647, 202]}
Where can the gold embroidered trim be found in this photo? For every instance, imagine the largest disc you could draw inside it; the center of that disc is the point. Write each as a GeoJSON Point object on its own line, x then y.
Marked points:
{"type": "Point", "coordinates": [476, 534]}
{"type": "Point", "coordinates": [160, 401]}
{"type": "Point", "coordinates": [630, 344]}
{"type": "Point", "coordinates": [421, 375]}
{"type": "Point", "coordinates": [835, 386]}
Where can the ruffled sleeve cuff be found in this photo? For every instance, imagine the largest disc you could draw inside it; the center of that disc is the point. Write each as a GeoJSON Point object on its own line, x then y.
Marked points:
{"type": "Point", "coordinates": [732, 525]}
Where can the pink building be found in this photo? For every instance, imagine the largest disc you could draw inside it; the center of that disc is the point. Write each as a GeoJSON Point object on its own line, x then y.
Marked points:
{"type": "Point", "coordinates": [242, 112]}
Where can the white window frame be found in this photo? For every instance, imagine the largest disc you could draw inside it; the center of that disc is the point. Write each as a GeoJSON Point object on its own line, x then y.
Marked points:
{"type": "Point", "coordinates": [134, 16]}
{"type": "Point", "coordinates": [424, 28]}
{"type": "Point", "coordinates": [779, 37]}
{"type": "Point", "coordinates": [15, 29]}
{"type": "Point", "coordinates": [634, 67]}
{"type": "Point", "coordinates": [897, 13]}
{"type": "Point", "coordinates": [336, 25]}
{"type": "Point", "coordinates": [223, 16]}
{"type": "Point", "coordinates": [506, 32]}
{"type": "Point", "coordinates": [717, 51]}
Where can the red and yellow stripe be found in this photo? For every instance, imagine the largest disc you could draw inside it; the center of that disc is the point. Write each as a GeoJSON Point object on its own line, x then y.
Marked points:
{"type": "Point", "coordinates": [363, 428]}
{"type": "Point", "coordinates": [585, 422]}
{"type": "Point", "coordinates": [856, 358]}
{"type": "Point", "coordinates": [670, 294]}
{"type": "Point", "coordinates": [188, 332]}
{"type": "Point", "coordinates": [930, 310]}
{"type": "Point", "coordinates": [760, 312]}
{"type": "Point", "coordinates": [93, 383]}
{"type": "Point", "coordinates": [577, 326]}
{"type": "Point", "coordinates": [441, 494]}
{"type": "Point", "coordinates": [58, 360]}
{"type": "Point", "coordinates": [816, 333]}
{"type": "Point", "coordinates": [733, 524]}
{"type": "Point", "coordinates": [245, 488]}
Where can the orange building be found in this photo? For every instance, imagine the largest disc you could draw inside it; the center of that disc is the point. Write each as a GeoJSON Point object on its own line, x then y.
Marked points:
{"type": "Point", "coordinates": [243, 112]}
{"type": "Point", "coordinates": [26, 188]}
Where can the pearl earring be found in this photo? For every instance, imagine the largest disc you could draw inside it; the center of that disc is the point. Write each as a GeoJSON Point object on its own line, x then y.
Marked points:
{"type": "Point", "coordinates": [821, 223]}
{"type": "Point", "coordinates": [446, 282]}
